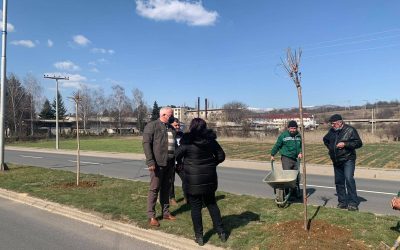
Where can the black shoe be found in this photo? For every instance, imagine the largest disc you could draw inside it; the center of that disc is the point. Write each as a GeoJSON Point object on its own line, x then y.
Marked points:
{"type": "Point", "coordinates": [341, 206]}
{"type": "Point", "coordinates": [222, 237]}
{"type": "Point", "coordinates": [352, 208]}
{"type": "Point", "coordinates": [199, 240]}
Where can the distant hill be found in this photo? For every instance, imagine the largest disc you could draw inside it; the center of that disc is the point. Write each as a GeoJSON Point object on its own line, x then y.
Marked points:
{"type": "Point", "coordinates": [259, 110]}
{"type": "Point", "coordinates": [382, 110]}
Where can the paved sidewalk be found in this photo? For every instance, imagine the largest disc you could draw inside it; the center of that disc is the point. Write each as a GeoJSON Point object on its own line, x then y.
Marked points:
{"type": "Point", "coordinates": [327, 170]}
{"type": "Point", "coordinates": [157, 237]}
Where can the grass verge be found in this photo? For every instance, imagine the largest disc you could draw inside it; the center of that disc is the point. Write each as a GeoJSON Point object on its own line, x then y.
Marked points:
{"type": "Point", "coordinates": [251, 222]}
{"type": "Point", "coordinates": [377, 155]}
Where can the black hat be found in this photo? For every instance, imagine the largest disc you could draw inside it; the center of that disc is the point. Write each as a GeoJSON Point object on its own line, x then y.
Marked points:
{"type": "Point", "coordinates": [335, 117]}
{"type": "Point", "coordinates": [292, 124]}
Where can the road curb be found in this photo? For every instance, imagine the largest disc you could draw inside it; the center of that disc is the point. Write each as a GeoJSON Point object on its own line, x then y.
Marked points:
{"type": "Point", "coordinates": [162, 239]}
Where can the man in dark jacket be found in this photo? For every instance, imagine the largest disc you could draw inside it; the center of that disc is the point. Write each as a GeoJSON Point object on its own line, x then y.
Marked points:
{"type": "Point", "coordinates": [177, 169]}
{"type": "Point", "coordinates": [342, 141]}
{"type": "Point", "coordinates": [159, 148]}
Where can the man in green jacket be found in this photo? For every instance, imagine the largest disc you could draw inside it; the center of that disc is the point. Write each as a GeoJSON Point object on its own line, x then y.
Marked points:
{"type": "Point", "coordinates": [289, 145]}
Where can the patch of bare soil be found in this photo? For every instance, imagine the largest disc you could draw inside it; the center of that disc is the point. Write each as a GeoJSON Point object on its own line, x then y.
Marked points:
{"type": "Point", "coordinates": [322, 235]}
{"type": "Point", "coordinates": [82, 184]}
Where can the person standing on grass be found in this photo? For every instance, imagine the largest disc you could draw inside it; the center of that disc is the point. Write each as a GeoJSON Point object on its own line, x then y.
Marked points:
{"type": "Point", "coordinates": [201, 153]}
{"type": "Point", "coordinates": [159, 148]}
{"type": "Point", "coordinates": [178, 168]}
{"type": "Point", "coordinates": [342, 141]}
{"type": "Point", "coordinates": [289, 146]}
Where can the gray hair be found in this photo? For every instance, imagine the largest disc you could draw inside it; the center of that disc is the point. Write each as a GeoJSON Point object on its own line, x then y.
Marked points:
{"type": "Point", "coordinates": [163, 110]}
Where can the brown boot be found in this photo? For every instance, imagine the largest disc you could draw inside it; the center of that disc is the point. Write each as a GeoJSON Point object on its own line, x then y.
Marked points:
{"type": "Point", "coordinates": [169, 217]}
{"type": "Point", "coordinates": [154, 222]}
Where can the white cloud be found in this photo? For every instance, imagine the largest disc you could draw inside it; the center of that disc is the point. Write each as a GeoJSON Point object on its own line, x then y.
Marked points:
{"type": "Point", "coordinates": [192, 13]}
{"type": "Point", "coordinates": [75, 80]}
{"type": "Point", "coordinates": [10, 27]}
{"type": "Point", "coordinates": [98, 62]}
{"type": "Point", "coordinates": [81, 40]}
{"type": "Point", "coordinates": [66, 65]}
{"type": "Point", "coordinates": [24, 43]}
{"type": "Point", "coordinates": [94, 69]}
{"type": "Point", "coordinates": [50, 43]}
{"type": "Point", "coordinates": [102, 51]}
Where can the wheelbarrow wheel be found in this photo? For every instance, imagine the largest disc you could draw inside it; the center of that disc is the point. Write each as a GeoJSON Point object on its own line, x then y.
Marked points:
{"type": "Point", "coordinates": [280, 197]}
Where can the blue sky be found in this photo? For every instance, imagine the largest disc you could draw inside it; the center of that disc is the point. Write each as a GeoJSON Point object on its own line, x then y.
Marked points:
{"type": "Point", "coordinates": [223, 50]}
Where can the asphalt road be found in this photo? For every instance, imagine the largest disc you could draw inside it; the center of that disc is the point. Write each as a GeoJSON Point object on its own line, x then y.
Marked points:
{"type": "Point", "coordinates": [375, 195]}
{"type": "Point", "coordinates": [26, 227]}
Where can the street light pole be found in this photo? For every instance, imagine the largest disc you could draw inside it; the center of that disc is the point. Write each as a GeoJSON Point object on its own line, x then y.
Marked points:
{"type": "Point", "coordinates": [56, 78]}
{"type": "Point", "coordinates": [3, 88]}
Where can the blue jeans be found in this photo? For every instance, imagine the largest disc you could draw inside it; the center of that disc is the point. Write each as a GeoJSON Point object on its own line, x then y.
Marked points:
{"type": "Point", "coordinates": [345, 184]}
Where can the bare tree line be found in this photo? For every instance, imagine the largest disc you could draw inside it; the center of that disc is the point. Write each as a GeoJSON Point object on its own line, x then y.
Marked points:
{"type": "Point", "coordinates": [25, 104]}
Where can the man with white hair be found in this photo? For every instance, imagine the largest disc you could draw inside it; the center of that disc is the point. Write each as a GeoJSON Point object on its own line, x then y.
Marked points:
{"type": "Point", "coordinates": [159, 148]}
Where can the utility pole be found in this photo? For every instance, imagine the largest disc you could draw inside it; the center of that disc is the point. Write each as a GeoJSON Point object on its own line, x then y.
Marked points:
{"type": "Point", "coordinates": [3, 83]}
{"type": "Point", "coordinates": [56, 78]}
{"type": "Point", "coordinates": [198, 107]}
{"type": "Point", "coordinates": [366, 102]}
{"type": "Point", "coordinates": [372, 120]}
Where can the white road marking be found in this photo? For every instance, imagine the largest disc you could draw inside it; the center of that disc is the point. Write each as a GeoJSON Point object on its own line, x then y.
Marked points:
{"type": "Point", "coordinates": [358, 190]}
{"type": "Point", "coordinates": [86, 162]}
{"type": "Point", "coordinates": [30, 156]}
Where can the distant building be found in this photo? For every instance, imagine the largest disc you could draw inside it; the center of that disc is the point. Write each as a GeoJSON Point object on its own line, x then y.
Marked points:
{"type": "Point", "coordinates": [187, 114]}
{"type": "Point", "coordinates": [179, 113]}
{"type": "Point", "coordinates": [281, 120]}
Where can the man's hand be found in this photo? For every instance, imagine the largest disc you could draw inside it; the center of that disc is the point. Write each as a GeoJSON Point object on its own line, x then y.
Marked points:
{"type": "Point", "coordinates": [152, 168]}
{"type": "Point", "coordinates": [300, 156]}
{"type": "Point", "coordinates": [272, 158]}
{"type": "Point", "coordinates": [340, 145]}
{"type": "Point", "coordinates": [396, 203]}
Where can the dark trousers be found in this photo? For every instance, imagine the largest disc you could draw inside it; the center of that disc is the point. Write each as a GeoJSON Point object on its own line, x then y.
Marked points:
{"type": "Point", "coordinates": [345, 184]}
{"type": "Point", "coordinates": [291, 164]}
{"type": "Point", "coordinates": [181, 174]}
{"type": "Point", "coordinates": [160, 182]}
{"type": "Point", "coordinates": [196, 202]}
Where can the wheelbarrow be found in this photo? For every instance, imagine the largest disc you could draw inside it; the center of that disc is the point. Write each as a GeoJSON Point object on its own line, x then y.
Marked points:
{"type": "Point", "coordinates": [284, 183]}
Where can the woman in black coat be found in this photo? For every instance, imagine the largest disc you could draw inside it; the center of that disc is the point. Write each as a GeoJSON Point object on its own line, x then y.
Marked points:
{"type": "Point", "coordinates": [201, 153]}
